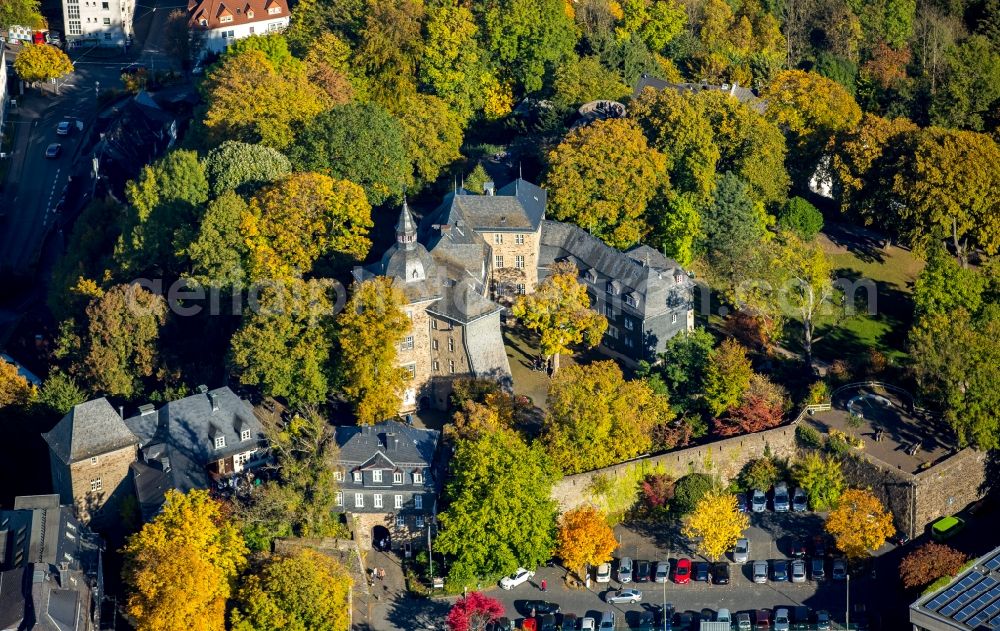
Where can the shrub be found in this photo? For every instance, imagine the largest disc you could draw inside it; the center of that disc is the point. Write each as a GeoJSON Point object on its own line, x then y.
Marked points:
{"type": "Point", "coordinates": [689, 490]}
{"type": "Point", "coordinates": [819, 392]}
{"type": "Point", "coordinates": [928, 563]}
{"type": "Point", "coordinates": [808, 437]}
{"type": "Point", "coordinates": [760, 473]}
{"type": "Point", "coordinates": [801, 217]}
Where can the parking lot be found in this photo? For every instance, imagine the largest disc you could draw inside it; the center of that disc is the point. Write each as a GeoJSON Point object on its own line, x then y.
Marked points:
{"type": "Point", "coordinates": [771, 535]}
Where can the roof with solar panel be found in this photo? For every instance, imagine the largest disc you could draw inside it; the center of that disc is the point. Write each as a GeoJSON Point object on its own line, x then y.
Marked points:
{"type": "Point", "coordinates": [971, 602]}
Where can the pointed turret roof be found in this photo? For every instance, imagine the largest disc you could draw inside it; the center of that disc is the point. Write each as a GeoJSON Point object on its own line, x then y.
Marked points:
{"type": "Point", "coordinates": [406, 227]}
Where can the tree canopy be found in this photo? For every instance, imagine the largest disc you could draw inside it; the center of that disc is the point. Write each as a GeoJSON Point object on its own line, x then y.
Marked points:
{"type": "Point", "coordinates": [40, 62]}
{"type": "Point", "coordinates": [859, 523]}
{"type": "Point", "coordinates": [585, 538]}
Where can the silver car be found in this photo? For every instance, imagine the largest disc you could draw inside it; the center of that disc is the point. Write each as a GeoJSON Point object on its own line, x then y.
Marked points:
{"type": "Point", "coordinates": [781, 503]}
{"type": "Point", "coordinates": [758, 501]}
{"type": "Point", "coordinates": [799, 502]}
{"type": "Point", "coordinates": [760, 571]}
{"type": "Point", "coordinates": [662, 572]}
{"type": "Point", "coordinates": [741, 553]}
{"type": "Point", "coordinates": [798, 571]}
{"type": "Point", "coordinates": [607, 621]}
{"type": "Point", "coordinates": [630, 596]}
{"type": "Point", "coordinates": [781, 620]}
{"type": "Point", "coordinates": [625, 570]}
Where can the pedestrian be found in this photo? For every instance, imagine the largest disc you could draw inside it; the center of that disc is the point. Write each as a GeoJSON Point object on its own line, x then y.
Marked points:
{"type": "Point", "coordinates": [544, 584]}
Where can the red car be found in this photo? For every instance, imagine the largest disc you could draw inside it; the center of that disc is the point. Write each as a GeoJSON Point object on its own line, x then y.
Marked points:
{"type": "Point", "coordinates": [682, 571]}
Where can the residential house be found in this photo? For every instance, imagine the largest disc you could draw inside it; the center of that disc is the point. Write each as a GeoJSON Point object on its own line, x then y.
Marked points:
{"type": "Point", "coordinates": [740, 93]}
{"type": "Point", "coordinates": [138, 132]}
{"type": "Point", "coordinates": [51, 577]}
{"type": "Point", "coordinates": [106, 23]}
{"type": "Point", "coordinates": [216, 24]}
{"type": "Point", "coordinates": [389, 479]}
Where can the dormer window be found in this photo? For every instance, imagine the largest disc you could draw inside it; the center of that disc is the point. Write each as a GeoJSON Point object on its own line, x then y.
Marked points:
{"type": "Point", "coordinates": [592, 275]}
{"type": "Point", "coordinates": [397, 477]}
{"type": "Point", "coordinates": [631, 300]}
{"type": "Point", "coordinates": [338, 476]}
{"type": "Point", "coordinates": [358, 477]}
{"type": "Point", "coordinates": [225, 19]}
{"type": "Point", "coordinates": [250, 13]}
{"type": "Point", "coordinates": [246, 434]}
{"type": "Point", "coordinates": [614, 288]}
{"type": "Point", "coordinates": [418, 478]}
{"type": "Point", "coordinates": [220, 442]}
{"type": "Point", "coordinates": [274, 11]}
{"type": "Point", "coordinates": [377, 475]}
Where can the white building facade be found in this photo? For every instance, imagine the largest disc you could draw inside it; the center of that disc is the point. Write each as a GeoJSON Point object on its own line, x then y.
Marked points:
{"type": "Point", "coordinates": [216, 24]}
{"type": "Point", "coordinates": [98, 22]}
{"type": "Point", "coordinates": [4, 96]}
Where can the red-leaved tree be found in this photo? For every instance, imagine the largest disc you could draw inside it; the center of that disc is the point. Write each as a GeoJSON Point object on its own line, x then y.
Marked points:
{"type": "Point", "coordinates": [474, 612]}
{"type": "Point", "coordinates": [928, 563]}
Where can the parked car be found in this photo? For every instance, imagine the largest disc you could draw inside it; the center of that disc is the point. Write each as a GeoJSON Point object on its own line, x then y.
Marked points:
{"type": "Point", "coordinates": [758, 501]}
{"type": "Point", "coordinates": [781, 504]}
{"type": "Point", "coordinates": [603, 573]}
{"type": "Point", "coordinates": [859, 616]}
{"type": "Point", "coordinates": [540, 607]}
{"type": "Point", "coordinates": [700, 571]}
{"type": "Point", "coordinates": [741, 503]}
{"type": "Point", "coordinates": [502, 624]}
{"type": "Point", "coordinates": [781, 620]}
{"type": "Point", "coordinates": [763, 620]}
{"type": "Point", "coordinates": [646, 621]}
{"type": "Point", "coordinates": [607, 621]}
{"type": "Point", "coordinates": [529, 624]}
{"type": "Point", "coordinates": [518, 577]}
{"type": "Point", "coordinates": [720, 573]}
{"type": "Point", "coordinates": [53, 150]}
{"type": "Point", "coordinates": [798, 571]}
{"type": "Point", "coordinates": [822, 621]}
{"type": "Point", "coordinates": [569, 621]}
{"type": "Point", "coordinates": [548, 623]}
{"type": "Point", "coordinates": [588, 624]}
{"type": "Point", "coordinates": [63, 128]}
{"type": "Point", "coordinates": [682, 572]}
{"type": "Point", "coordinates": [839, 570]}
{"type": "Point", "coordinates": [819, 546]}
{"type": "Point", "coordinates": [801, 616]}
{"type": "Point", "coordinates": [817, 568]}
{"type": "Point", "coordinates": [631, 596]}
{"type": "Point", "coordinates": [797, 549]}
{"type": "Point", "coordinates": [741, 553]}
{"type": "Point", "coordinates": [662, 571]}
{"type": "Point", "coordinates": [625, 570]}
{"type": "Point", "coordinates": [779, 570]}
{"type": "Point", "coordinates": [641, 574]}
{"type": "Point", "coordinates": [743, 622]}
{"type": "Point", "coordinates": [800, 503]}
{"type": "Point", "coordinates": [946, 528]}
{"type": "Point", "coordinates": [760, 571]}
{"type": "Point", "coordinates": [723, 616]}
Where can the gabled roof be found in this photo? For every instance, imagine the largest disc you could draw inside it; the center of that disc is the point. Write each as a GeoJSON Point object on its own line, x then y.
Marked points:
{"type": "Point", "coordinates": [89, 429]}
{"type": "Point", "coordinates": [241, 11]}
{"type": "Point", "coordinates": [518, 206]}
{"type": "Point", "coordinates": [740, 93]}
{"type": "Point", "coordinates": [412, 447]}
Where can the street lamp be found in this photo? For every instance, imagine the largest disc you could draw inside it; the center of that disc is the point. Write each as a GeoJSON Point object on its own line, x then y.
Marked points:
{"type": "Point", "coordinates": [664, 605]}
{"type": "Point", "coordinates": [847, 611]}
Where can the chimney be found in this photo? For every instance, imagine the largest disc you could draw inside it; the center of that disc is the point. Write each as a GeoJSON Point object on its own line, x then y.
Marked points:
{"type": "Point", "coordinates": [64, 574]}
{"type": "Point", "coordinates": [214, 400]}
{"type": "Point", "coordinates": [489, 188]}
{"type": "Point", "coordinates": [121, 411]}
{"type": "Point", "coordinates": [147, 409]}
{"type": "Point", "coordinates": [203, 389]}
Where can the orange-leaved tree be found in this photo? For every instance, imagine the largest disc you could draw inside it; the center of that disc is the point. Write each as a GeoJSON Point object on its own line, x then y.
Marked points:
{"type": "Point", "coordinates": [860, 523]}
{"type": "Point", "coordinates": [585, 538]}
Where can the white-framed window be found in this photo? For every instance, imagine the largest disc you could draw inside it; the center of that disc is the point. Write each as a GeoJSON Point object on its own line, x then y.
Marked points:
{"type": "Point", "coordinates": [398, 502]}
{"type": "Point", "coordinates": [451, 345]}
{"type": "Point", "coordinates": [420, 521]}
{"type": "Point", "coordinates": [434, 344]}
{"type": "Point", "coordinates": [407, 343]}
{"type": "Point", "coordinates": [271, 28]}
{"type": "Point", "coordinates": [359, 500]}
{"type": "Point", "coordinates": [521, 288]}
{"type": "Point", "coordinates": [629, 325]}
{"type": "Point", "coordinates": [673, 318]}
{"type": "Point", "coordinates": [245, 434]}
{"type": "Point", "coordinates": [412, 369]}
{"type": "Point", "coordinates": [274, 11]}
{"type": "Point", "coordinates": [609, 311]}
{"type": "Point", "coordinates": [498, 239]}
{"type": "Point", "coordinates": [400, 521]}
{"type": "Point", "coordinates": [613, 332]}
{"type": "Point", "coordinates": [397, 477]}
{"type": "Point", "coordinates": [378, 500]}
{"type": "Point", "coordinates": [436, 365]}
{"type": "Point", "coordinates": [519, 261]}
{"type": "Point", "coordinates": [338, 476]}
{"type": "Point", "coordinates": [74, 26]}
{"type": "Point", "coordinates": [434, 324]}
{"type": "Point", "coordinates": [241, 459]}
{"type": "Point", "coordinates": [96, 485]}
{"type": "Point", "coordinates": [418, 502]}
{"type": "Point", "coordinates": [220, 442]}
{"type": "Point", "coordinates": [250, 15]}
{"type": "Point", "coordinates": [225, 19]}
{"type": "Point", "coordinates": [451, 366]}
{"type": "Point", "coordinates": [630, 300]}
{"type": "Point", "coordinates": [498, 261]}
{"type": "Point", "coordinates": [519, 239]}
{"type": "Point", "coordinates": [377, 475]}
{"type": "Point", "coordinates": [418, 478]}
{"type": "Point", "coordinates": [339, 498]}
{"type": "Point", "coordinates": [358, 476]}
{"type": "Point", "coordinates": [93, 460]}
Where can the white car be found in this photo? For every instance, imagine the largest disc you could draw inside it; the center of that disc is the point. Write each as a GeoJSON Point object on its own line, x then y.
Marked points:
{"type": "Point", "coordinates": [520, 576]}
{"type": "Point", "coordinates": [603, 574]}
{"type": "Point", "coordinates": [741, 553]}
{"type": "Point", "coordinates": [760, 572]}
{"type": "Point", "coordinates": [798, 571]}
{"type": "Point", "coordinates": [781, 502]}
{"type": "Point", "coordinates": [781, 620]}
{"type": "Point", "coordinates": [723, 616]}
{"type": "Point", "coordinates": [758, 501]}
{"type": "Point", "coordinates": [588, 624]}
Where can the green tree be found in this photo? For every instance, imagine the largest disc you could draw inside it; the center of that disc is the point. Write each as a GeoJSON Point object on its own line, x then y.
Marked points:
{"type": "Point", "coordinates": [802, 218]}
{"type": "Point", "coordinates": [41, 62]}
{"type": "Point", "coordinates": [596, 418]}
{"type": "Point", "coordinates": [306, 590]}
{"type": "Point", "coordinates": [495, 483]}
{"type": "Point", "coordinates": [944, 286]}
{"type": "Point", "coordinates": [476, 179]}
{"type": "Point", "coordinates": [678, 229]}
{"type": "Point", "coordinates": [60, 393]}
{"type": "Point", "coordinates": [218, 252]}
{"type": "Point", "coordinates": [389, 48]}
{"type": "Point", "coordinates": [370, 329]}
{"type": "Point", "coordinates": [283, 346]}
{"type": "Point", "coordinates": [806, 286]}
{"type": "Point", "coordinates": [121, 343]}
{"type": "Point", "coordinates": [822, 480]}
{"type": "Point", "coordinates": [602, 178]}
{"type": "Point", "coordinates": [300, 218]}
{"type": "Point", "coordinates": [971, 87]}
{"type": "Point", "coordinates": [727, 376]}
{"type": "Point", "coordinates": [683, 365]}
{"type": "Point", "coordinates": [528, 38]}
{"type": "Point", "coordinates": [361, 143]}
{"type": "Point", "coordinates": [579, 80]}
{"type": "Point", "coordinates": [273, 45]}
{"type": "Point", "coordinates": [734, 225]}
{"type": "Point", "coordinates": [559, 310]}
{"type": "Point", "coordinates": [243, 168]}
{"type": "Point", "coordinates": [760, 474]}
{"type": "Point", "coordinates": [657, 22]}
{"type": "Point", "coordinates": [21, 13]}
{"type": "Point", "coordinates": [690, 490]}
{"type": "Point", "coordinates": [453, 59]}
{"type": "Point", "coordinates": [432, 134]}
{"type": "Point", "coordinates": [181, 567]}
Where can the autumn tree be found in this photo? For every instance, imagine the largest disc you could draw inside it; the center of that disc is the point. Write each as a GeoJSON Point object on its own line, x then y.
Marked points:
{"type": "Point", "coordinates": [495, 410]}
{"type": "Point", "coordinates": [928, 563]}
{"type": "Point", "coordinates": [495, 482]}
{"type": "Point", "coordinates": [806, 285]}
{"type": "Point", "coordinates": [602, 178]}
{"type": "Point", "coordinates": [821, 478]}
{"type": "Point", "coordinates": [41, 62]}
{"type": "Point", "coordinates": [528, 38]}
{"type": "Point", "coordinates": [727, 376]}
{"type": "Point", "coordinates": [474, 611]}
{"type": "Point", "coordinates": [596, 418]}
{"type": "Point", "coordinates": [217, 255]}
{"type": "Point", "coordinates": [251, 100]}
{"type": "Point", "coordinates": [121, 341]}
{"type": "Point", "coordinates": [328, 66]}
{"type": "Point", "coordinates": [760, 474]}
{"type": "Point", "coordinates": [181, 567]}
{"type": "Point", "coordinates": [361, 143]}
{"type": "Point", "coordinates": [389, 47]}
{"type": "Point", "coordinates": [243, 168]}
{"type": "Point", "coordinates": [559, 310]}
{"type": "Point", "coordinates": [306, 590]}
{"type": "Point", "coordinates": [584, 538]}
{"type": "Point", "coordinates": [432, 133]}
{"type": "Point", "coordinates": [716, 524]}
{"type": "Point", "coordinates": [859, 523]}
{"type": "Point", "coordinates": [370, 329]}
{"type": "Point", "coordinates": [21, 13]}
{"type": "Point", "coordinates": [453, 59]}
{"type": "Point", "coordinates": [761, 406]}
{"type": "Point", "coordinates": [14, 388]}
{"type": "Point", "coordinates": [580, 80]}
{"type": "Point", "coordinates": [296, 220]}
{"type": "Point", "coordinates": [284, 344]}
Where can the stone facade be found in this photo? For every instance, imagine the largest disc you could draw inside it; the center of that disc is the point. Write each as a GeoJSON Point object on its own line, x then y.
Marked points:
{"type": "Point", "coordinates": [514, 263]}
{"type": "Point", "coordinates": [95, 487]}
{"type": "Point", "coordinates": [363, 525]}
{"type": "Point", "coordinates": [724, 458]}
{"type": "Point", "coordinates": [414, 354]}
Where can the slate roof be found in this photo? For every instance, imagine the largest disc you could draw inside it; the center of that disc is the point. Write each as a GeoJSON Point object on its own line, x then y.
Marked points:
{"type": "Point", "coordinates": [742, 94]}
{"type": "Point", "coordinates": [89, 429]}
{"type": "Point", "coordinates": [414, 447]}
{"type": "Point", "coordinates": [517, 207]}
{"type": "Point", "coordinates": [12, 603]}
{"type": "Point", "coordinates": [139, 132]}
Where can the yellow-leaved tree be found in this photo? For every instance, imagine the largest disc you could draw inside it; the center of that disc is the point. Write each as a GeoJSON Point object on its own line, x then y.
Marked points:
{"type": "Point", "coordinates": [41, 62]}
{"type": "Point", "coordinates": [859, 524]}
{"type": "Point", "coordinates": [585, 538]}
{"type": "Point", "coordinates": [14, 389]}
{"type": "Point", "coordinates": [180, 568]}
{"type": "Point", "coordinates": [370, 329]}
{"type": "Point", "coordinates": [717, 523]}
{"type": "Point", "coordinates": [559, 310]}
